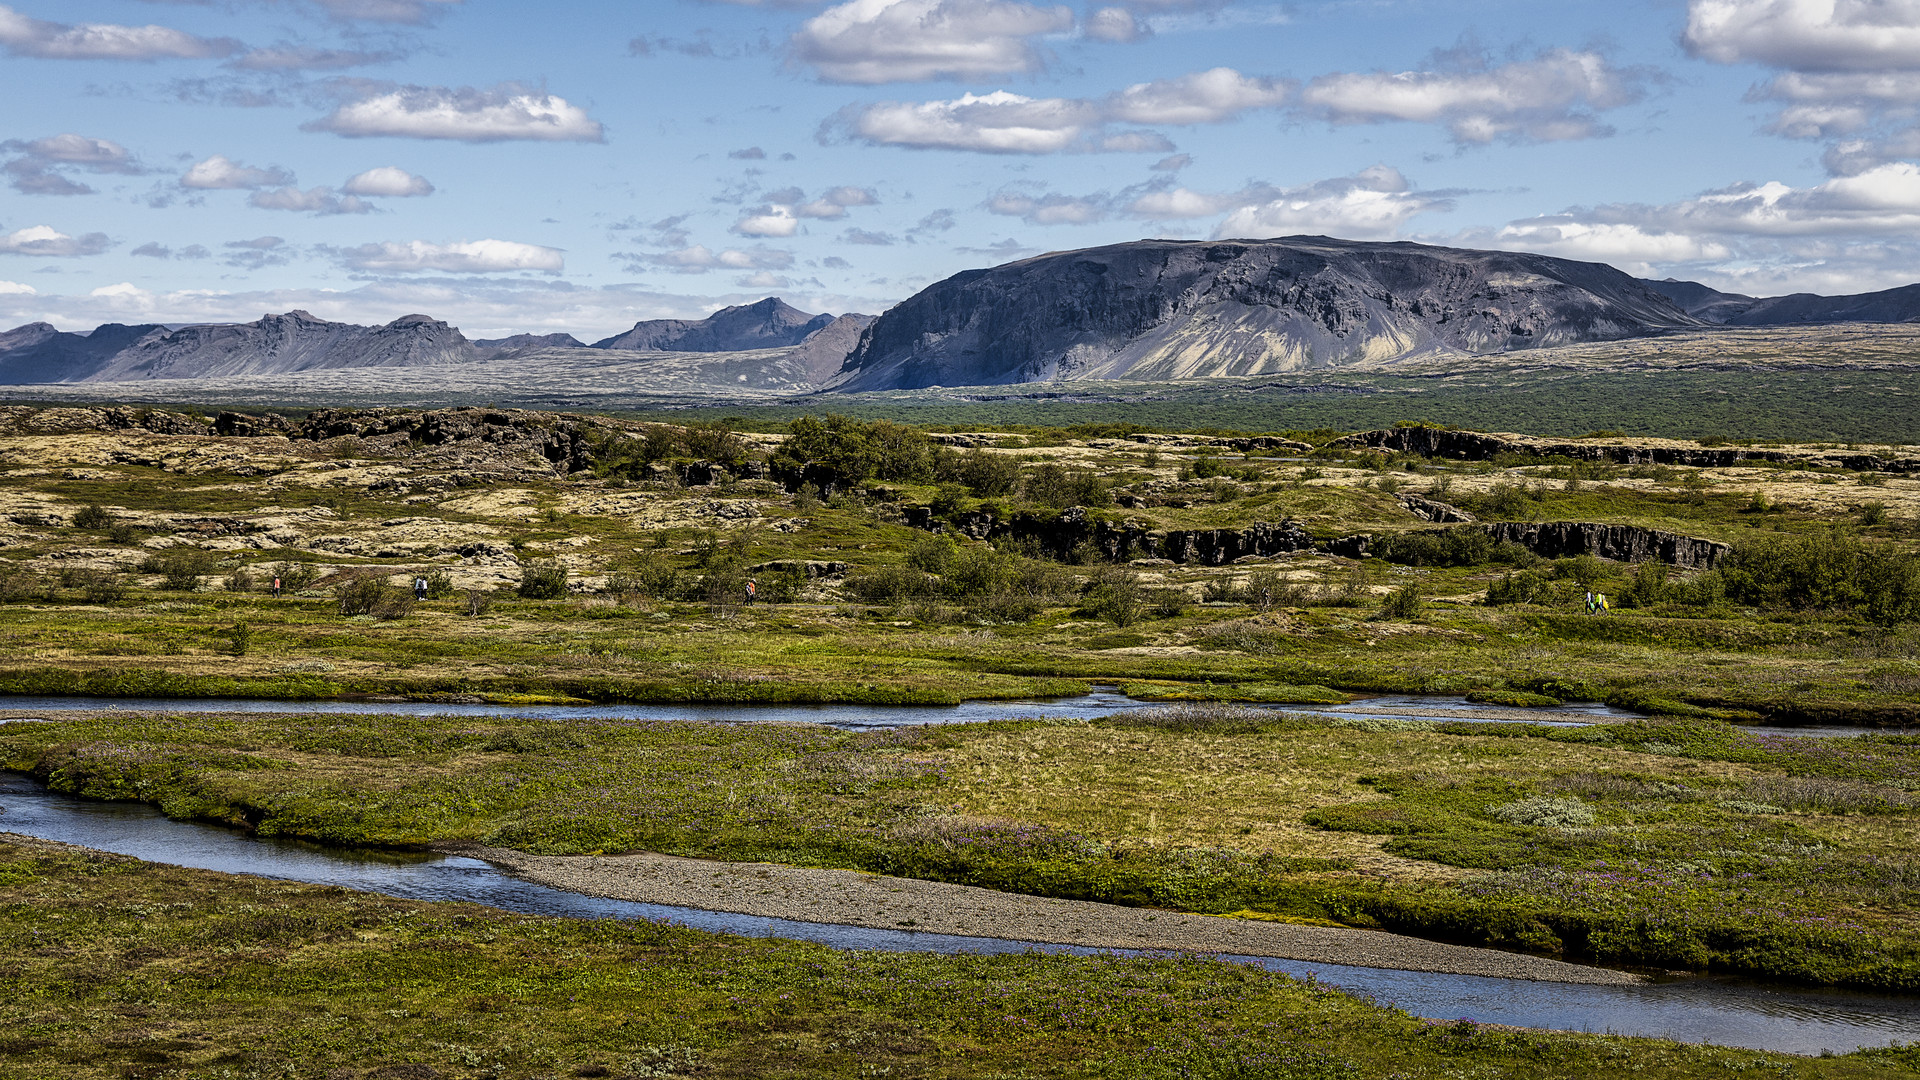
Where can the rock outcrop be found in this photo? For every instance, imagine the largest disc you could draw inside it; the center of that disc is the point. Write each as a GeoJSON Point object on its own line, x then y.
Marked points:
{"type": "Point", "coordinates": [1485, 446]}
{"type": "Point", "coordinates": [1167, 309]}
{"type": "Point", "coordinates": [768, 324]}
{"type": "Point", "coordinates": [1621, 543]}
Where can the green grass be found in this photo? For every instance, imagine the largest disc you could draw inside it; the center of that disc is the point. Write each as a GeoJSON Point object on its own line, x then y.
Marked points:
{"type": "Point", "coordinates": [121, 969]}
{"type": "Point", "coordinates": [1703, 847]}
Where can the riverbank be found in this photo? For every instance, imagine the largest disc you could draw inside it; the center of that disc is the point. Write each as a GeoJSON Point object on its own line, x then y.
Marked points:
{"type": "Point", "coordinates": [120, 968]}
{"type": "Point", "coordinates": [851, 898]}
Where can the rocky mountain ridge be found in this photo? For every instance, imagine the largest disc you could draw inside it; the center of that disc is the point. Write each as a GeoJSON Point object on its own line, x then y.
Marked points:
{"type": "Point", "coordinates": [1178, 309]}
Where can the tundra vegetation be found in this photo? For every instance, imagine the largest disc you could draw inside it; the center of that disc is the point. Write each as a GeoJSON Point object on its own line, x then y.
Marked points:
{"type": "Point", "coordinates": [575, 558]}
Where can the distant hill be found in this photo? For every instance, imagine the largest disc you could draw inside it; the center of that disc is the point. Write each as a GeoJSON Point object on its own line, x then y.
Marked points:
{"type": "Point", "coordinates": [279, 344]}
{"type": "Point", "coordinates": [1733, 309]}
{"type": "Point", "coordinates": [1172, 309]}
{"type": "Point", "coordinates": [530, 341]}
{"type": "Point", "coordinates": [769, 324]}
{"type": "Point", "coordinates": [38, 353]}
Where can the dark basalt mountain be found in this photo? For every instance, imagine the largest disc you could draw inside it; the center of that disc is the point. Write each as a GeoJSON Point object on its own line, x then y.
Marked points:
{"type": "Point", "coordinates": [530, 341]}
{"type": "Point", "coordinates": [1172, 309]}
{"type": "Point", "coordinates": [278, 344]}
{"type": "Point", "coordinates": [769, 324]}
{"type": "Point", "coordinates": [37, 353]}
{"type": "Point", "coordinates": [1733, 309]}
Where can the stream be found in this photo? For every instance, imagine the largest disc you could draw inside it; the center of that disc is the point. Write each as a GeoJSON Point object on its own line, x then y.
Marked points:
{"type": "Point", "coordinates": [1699, 1010]}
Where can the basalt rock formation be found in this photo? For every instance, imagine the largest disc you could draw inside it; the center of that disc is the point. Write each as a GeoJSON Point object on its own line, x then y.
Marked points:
{"type": "Point", "coordinates": [1168, 309]}
{"type": "Point", "coordinates": [1485, 446]}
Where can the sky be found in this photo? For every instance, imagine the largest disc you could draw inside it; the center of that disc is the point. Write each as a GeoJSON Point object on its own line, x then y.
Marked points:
{"type": "Point", "coordinates": [578, 166]}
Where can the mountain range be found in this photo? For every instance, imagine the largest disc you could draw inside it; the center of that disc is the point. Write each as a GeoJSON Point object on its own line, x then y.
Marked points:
{"type": "Point", "coordinates": [1151, 310]}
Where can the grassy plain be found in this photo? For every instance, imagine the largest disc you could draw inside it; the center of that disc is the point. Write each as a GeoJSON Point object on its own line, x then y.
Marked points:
{"type": "Point", "coordinates": [1680, 844]}
{"type": "Point", "coordinates": [135, 564]}
{"type": "Point", "coordinates": [125, 969]}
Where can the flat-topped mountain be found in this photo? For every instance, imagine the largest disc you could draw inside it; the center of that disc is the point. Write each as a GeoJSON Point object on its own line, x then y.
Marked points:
{"type": "Point", "coordinates": [279, 344]}
{"type": "Point", "coordinates": [769, 324]}
{"type": "Point", "coordinates": [1177, 309]}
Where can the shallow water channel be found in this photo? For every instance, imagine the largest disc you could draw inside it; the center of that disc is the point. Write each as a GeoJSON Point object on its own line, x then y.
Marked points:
{"type": "Point", "coordinates": [1102, 701]}
{"type": "Point", "coordinates": [1716, 1011]}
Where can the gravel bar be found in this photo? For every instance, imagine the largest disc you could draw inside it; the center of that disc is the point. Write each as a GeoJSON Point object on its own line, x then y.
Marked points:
{"type": "Point", "coordinates": [850, 898]}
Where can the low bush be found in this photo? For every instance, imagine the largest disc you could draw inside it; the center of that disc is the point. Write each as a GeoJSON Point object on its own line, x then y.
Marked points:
{"type": "Point", "coordinates": [545, 579]}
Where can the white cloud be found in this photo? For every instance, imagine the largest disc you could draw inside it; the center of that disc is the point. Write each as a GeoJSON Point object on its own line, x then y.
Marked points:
{"type": "Point", "coordinates": [768, 221]}
{"type": "Point", "coordinates": [1204, 97]}
{"type": "Point", "coordinates": [1806, 35]}
{"type": "Point", "coordinates": [460, 257]}
{"type": "Point", "coordinates": [998, 123]}
{"type": "Point", "coordinates": [1114, 24]}
{"type": "Point", "coordinates": [1050, 209]}
{"type": "Point", "coordinates": [14, 288]}
{"type": "Point", "coordinates": [883, 41]}
{"type": "Point", "coordinates": [1551, 97]}
{"type": "Point", "coordinates": [45, 240]}
{"type": "Point", "coordinates": [40, 168]}
{"type": "Point", "coordinates": [698, 259]}
{"type": "Point", "coordinates": [1374, 204]}
{"type": "Point", "coordinates": [388, 181]}
{"type": "Point", "coordinates": [505, 112]}
{"type": "Point", "coordinates": [24, 36]}
{"type": "Point", "coordinates": [1003, 122]}
{"type": "Point", "coordinates": [220, 173]}
{"type": "Point", "coordinates": [319, 200]}
{"type": "Point", "coordinates": [1627, 246]}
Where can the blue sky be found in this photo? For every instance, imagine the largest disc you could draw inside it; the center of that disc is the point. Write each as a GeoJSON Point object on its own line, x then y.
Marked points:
{"type": "Point", "coordinates": [580, 166]}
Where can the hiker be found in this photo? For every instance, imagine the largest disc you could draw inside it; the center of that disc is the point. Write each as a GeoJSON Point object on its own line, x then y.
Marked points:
{"type": "Point", "coordinates": [1590, 606]}
{"type": "Point", "coordinates": [750, 589]}
{"type": "Point", "coordinates": [276, 587]}
{"type": "Point", "coordinates": [419, 588]}
{"type": "Point", "coordinates": [1603, 603]}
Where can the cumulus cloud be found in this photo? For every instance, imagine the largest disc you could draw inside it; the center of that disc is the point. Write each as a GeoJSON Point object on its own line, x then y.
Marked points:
{"type": "Point", "coordinates": [1053, 209]}
{"type": "Point", "coordinates": [884, 41]}
{"type": "Point", "coordinates": [1849, 70]}
{"type": "Point", "coordinates": [1806, 35]}
{"type": "Point", "coordinates": [1373, 204]}
{"type": "Point", "coordinates": [388, 181]}
{"type": "Point", "coordinates": [698, 259]}
{"type": "Point", "coordinates": [14, 288]}
{"type": "Point", "coordinates": [1554, 96]}
{"type": "Point", "coordinates": [1003, 122]}
{"type": "Point", "coordinates": [43, 164]}
{"type": "Point", "coordinates": [781, 213]}
{"type": "Point", "coordinates": [261, 251]}
{"type": "Point", "coordinates": [1204, 97]}
{"type": "Point", "coordinates": [319, 200]}
{"type": "Point", "coordinates": [46, 241]}
{"type": "Point", "coordinates": [505, 112]}
{"type": "Point", "coordinates": [460, 257]}
{"type": "Point", "coordinates": [24, 36]}
{"type": "Point", "coordinates": [221, 173]}
{"type": "Point", "coordinates": [1847, 233]}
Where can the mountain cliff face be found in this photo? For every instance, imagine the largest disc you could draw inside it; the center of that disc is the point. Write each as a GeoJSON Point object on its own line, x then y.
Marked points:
{"type": "Point", "coordinates": [769, 324]}
{"type": "Point", "coordinates": [277, 344]}
{"type": "Point", "coordinates": [1165, 309]}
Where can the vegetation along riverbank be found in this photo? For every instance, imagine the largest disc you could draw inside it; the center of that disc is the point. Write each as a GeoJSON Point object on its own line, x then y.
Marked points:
{"type": "Point", "coordinates": [1675, 843]}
